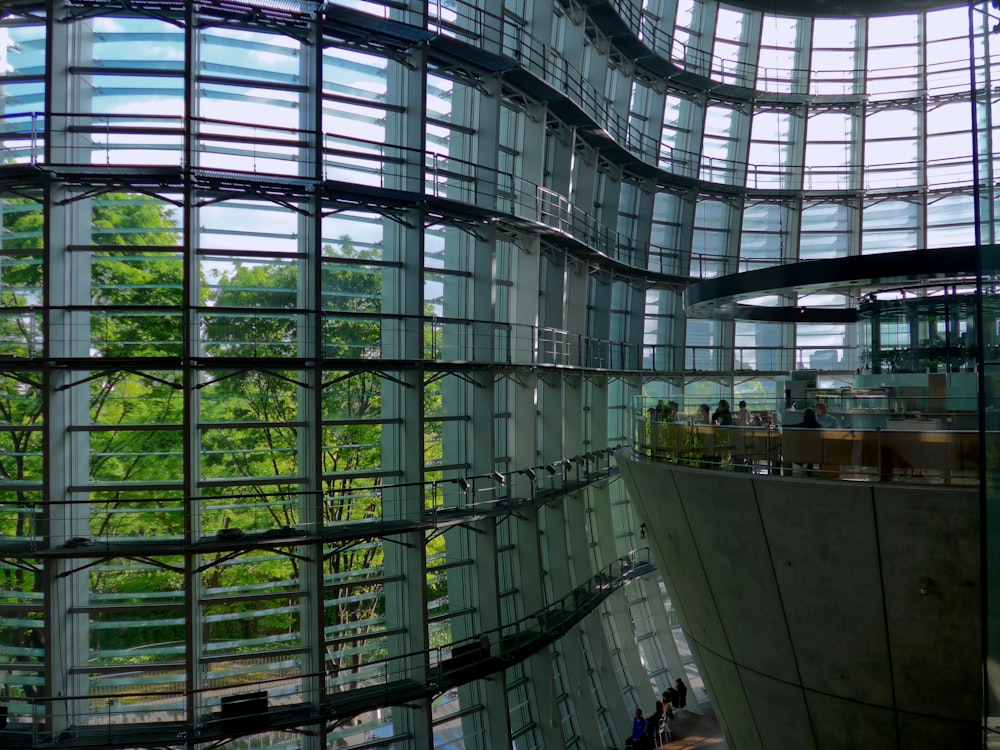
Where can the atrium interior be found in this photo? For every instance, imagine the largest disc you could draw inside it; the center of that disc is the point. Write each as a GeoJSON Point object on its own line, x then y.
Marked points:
{"type": "Point", "coordinates": [327, 328]}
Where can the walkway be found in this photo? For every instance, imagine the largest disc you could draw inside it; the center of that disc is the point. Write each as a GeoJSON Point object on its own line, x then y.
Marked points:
{"type": "Point", "coordinates": [693, 730]}
{"type": "Point", "coordinates": [467, 661]}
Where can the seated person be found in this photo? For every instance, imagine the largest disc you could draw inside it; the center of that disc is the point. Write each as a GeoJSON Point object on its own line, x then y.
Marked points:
{"type": "Point", "coordinates": [653, 726]}
{"type": "Point", "coordinates": [825, 419]}
{"type": "Point", "coordinates": [638, 731]}
{"type": "Point", "coordinates": [722, 415]}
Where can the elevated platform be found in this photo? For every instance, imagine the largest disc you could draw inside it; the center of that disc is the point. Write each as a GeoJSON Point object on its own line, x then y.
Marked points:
{"type": "Point", "coordinates": [822, 614]}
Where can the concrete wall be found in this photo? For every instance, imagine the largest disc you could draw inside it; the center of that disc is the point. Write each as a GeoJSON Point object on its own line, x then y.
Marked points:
{"type": "Point", "coordinates": [823, 614]}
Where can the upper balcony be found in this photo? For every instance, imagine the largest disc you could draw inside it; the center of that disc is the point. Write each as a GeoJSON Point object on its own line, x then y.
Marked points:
{"type": "Point", "coordinates": [883, 446]}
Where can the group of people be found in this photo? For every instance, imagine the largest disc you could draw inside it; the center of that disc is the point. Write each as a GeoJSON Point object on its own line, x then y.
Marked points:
{"type": "Point", "coordinates": [645, 730]}
{"type": "Point", "coordinates": [725, 417]}
{"type": "Point", "coordinates": [721, 416]}
{"type": "Point", "coordinates": [818, 416]}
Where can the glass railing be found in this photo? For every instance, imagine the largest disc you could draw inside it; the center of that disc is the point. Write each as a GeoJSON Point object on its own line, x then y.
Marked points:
{"type": "Point", "coordinates": [917, 451]}
{"type": "Point", "coordinates": [360, 513]}
{"type": "Point", "coordinates": [948, 76]}
{"type": "Point", "coordinates": [281, 334]}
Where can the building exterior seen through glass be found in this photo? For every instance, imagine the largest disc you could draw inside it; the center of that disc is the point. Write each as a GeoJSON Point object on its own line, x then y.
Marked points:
{"type": "Point", "coordinates": [321, 324]}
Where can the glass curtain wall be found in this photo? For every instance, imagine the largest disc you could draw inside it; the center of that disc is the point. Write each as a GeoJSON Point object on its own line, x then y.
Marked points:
{"type": "Point", "coordinates": [842, 137]}
{"type": "Point", "coordinates": [313, 351]}
{"type": "Point", "coordinates": [302, 300]}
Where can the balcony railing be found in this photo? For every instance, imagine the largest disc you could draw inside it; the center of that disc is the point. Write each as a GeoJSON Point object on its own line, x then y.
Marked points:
{"type": "Point", "coordinates": [931, 456]}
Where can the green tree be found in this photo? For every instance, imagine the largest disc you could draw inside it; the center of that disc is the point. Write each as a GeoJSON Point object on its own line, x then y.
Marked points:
{"type": "Point", "coordinates": [253, 317]}
{"type": "Point", "coordinates": [124, 280]}
{"type": "Point", "coordinates": [122, 283]}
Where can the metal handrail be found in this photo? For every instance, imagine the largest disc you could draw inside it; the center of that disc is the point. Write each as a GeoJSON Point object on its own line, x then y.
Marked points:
{"type": "Point", "coordinates": [877, 455]}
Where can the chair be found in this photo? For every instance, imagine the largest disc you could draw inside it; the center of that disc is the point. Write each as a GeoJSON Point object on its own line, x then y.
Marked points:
{"type": "Point", "coordinates": [663, 732]}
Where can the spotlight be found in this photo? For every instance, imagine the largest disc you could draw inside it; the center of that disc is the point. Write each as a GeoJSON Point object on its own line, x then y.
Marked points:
{"type": "Point", "coordinates": [463, 484]}
{"type": "Point", "coordinates": [529, 473]}
{"type": "Point", "coordinates": [496, 476]}
{"type": "Point", "coordinates": [551, 469]}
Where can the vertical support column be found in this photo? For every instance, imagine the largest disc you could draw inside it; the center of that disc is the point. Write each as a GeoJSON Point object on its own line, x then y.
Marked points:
{"type": "Point", "coordinates": [558, 578]}
{"type": "Point", "coordinates": [576, 661]}
{"type": "Point", "coordinates": [646, 198]}
{"type": "Point", "coordinates": [598, 336]}
{"type": "Point", "coordinates": [403, 458]}
{"type": "Point", "coordinates": [469, 444]}
{"type": "Point", "coordinates": [67, 336]}
{"type": "Point", "coordinates": [524, 315]}
{"type": "Point", "coordinates": [581, 571]}
{"type": "Point", "coordinates": [193, 636]}
{"type": "Point", "coordinates": [65, 516]}
{"type": "Point", "coordinates": [876, 342]}
{"type": "Point", "coordinates": [982, 113]}
{"type": "Point", "coordinates": [605, 554]}
{"type": "Point", "coordinates": [548, 528]}
{"type": "Point", "coordinates": [986, 272]}
{"type": "Point", "coordinates": [630, 341]}
{"type": "Point", "coordinates": [574, 321]}
{"type": "Point", "coordinates": [609, 707]}
{"type": "Point", "coordinates": [475, 588]}
{"type": "Point", "coordinates": [664, 631]}
{"type": "Point", "coordinates": [749, 72]}
{"type": "Point", "coordinates": [403, 396]}
{"type": "Point", "coordinates": [790, 225]}
{"type": "Point", "coordinates": [483, 451]}
{"type": "Point", "coordinates": [703, 23]}
{"type": "Point", "coordinates": [310, 349]}
{"type": "Point", "coordinates": [633, 672]}
{"type": "Point", "coordinates": [557, 152]}
{"type": "Point", "coordinates": [530, 564]}
{"type": "Point", "coordinates": [530, 163]}
{"type": "Point", "coordinates": [405, 563]}
{"type": "Point", "coordinates": [611, 510]}
{"type": "Point", "coordinates": [531, 572]}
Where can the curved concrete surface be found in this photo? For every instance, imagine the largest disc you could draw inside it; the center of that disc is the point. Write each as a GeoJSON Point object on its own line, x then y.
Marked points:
{"type": "Point", "coordinates": [822, 614]}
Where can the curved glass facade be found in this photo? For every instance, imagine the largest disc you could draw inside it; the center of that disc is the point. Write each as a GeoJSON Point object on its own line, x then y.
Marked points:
{"type": "Point", "coordinates": [319, 321]}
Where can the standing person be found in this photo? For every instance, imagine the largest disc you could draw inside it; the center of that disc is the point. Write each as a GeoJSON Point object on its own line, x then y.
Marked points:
{"type": "Point", "coordinates": [809, 421]}
{"type": "Point", "coordinates": [721, 440]}
{"type": "Point", "coordinates": [702, 441]}
{"type": "Point", "coordinates": [743, 417]}
{"type": "Point", "coordinates": [682, 691]}
{"type": "Point", "coordinates": [824, 419]}
{"type": "Point", "coordinates": [653, 726]}
{"type": "Point", "coordinates": [670, 697]}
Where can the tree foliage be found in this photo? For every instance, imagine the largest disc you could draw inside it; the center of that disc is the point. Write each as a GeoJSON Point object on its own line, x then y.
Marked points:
{"type": "Point", "coordinates": [250, 422]}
